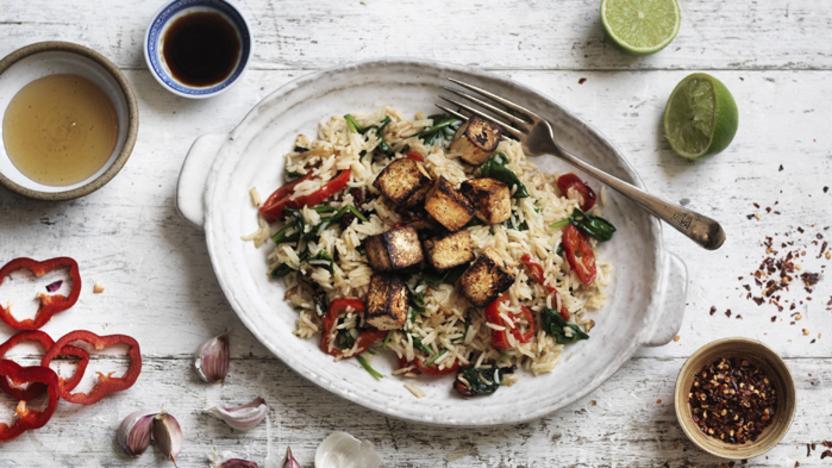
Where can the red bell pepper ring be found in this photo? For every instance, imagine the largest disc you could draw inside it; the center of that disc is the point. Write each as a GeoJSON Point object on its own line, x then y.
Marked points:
{"type": "Point", "coordinates": [433, 370]}
{"type": "Point", "coordinates": [26, 418]}
{"type": "Point", "coordinates": [499, 338]}
{"type": "Point", "coordinates": [414, 156]}
{"type": "Point", "coordinates": [365, 338]}
{"type": "Point", "coordinates": [572, 181]}
{"type": "Point", "coordinates": [535, 271]}
{"type": "Point", "coordinates": [282, 198]}
{"type": "Point", "coordinates": [107, 384]}
{"type": "Point", "coordinates": [579, 254]}
{"type": "Point", "coordinates": [50, 304]}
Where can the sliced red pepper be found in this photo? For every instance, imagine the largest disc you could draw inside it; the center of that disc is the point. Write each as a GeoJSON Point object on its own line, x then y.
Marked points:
{"type": "Point", "coordinates": [579, 254]}
{"type": "Point", "coordinates": [535, 271]}
{"type": "Point", "coordinates": [26, 418]}
{"type": "Point", "coordinates": [365, 338]}
{"type": "Point", "coordinates": [415, 156]}
{"type": "Point", "coordinates": [107, 384]}
{"type": "Point", "coordinates": [572, 181]}
{"type": "Point", "coordinates": [272, 209]}
{"type": "Point", "coordinates": [50, 304]}
{"type": "Point", "coordinates": [433, 370]}
{"type": "Point", "coordinates": [499, 338]}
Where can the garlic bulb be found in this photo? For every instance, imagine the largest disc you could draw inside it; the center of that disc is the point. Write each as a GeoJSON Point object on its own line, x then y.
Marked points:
{"type": "Point", "coordinates": [342, 450]}
{"type": "Point", "coordinates": [212, 359]}
{"type": "Point", "coordinates": [133, 435]}
{"type": "Point", "coordinates": [244, 417]}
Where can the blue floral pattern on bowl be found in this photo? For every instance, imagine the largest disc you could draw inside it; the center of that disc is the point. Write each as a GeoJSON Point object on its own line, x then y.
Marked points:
{"type": "Point", "coordinates": [153, 54]}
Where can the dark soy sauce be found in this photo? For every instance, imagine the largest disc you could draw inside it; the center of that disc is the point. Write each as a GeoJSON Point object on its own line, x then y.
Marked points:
{"type": "Point", "coordinates": [201, 48]}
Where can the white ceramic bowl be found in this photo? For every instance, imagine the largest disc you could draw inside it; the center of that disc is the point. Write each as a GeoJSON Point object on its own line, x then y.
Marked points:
{"type": "Point", "coordinates": [646, 295]}
{"type": "Point", "coordinates": [35, 61]}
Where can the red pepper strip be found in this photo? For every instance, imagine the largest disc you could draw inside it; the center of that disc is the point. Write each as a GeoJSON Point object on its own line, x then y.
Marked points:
{"type": "Point", "coordinates": [415, 156]}
{"type": "Point", "coordinates": [579, 254]}
{"type": "Point", "coordinates": [26, 418]}
{"type": "Point", "coordinates": [50, 304]}
{"type": "Point", "coordinates": [281, 199]}
{"type": "Point", "coordinates": [572, 181]}
{"type": "Point", "coordinates": [432, 370]}
{"type": "Point", "coordinates": [107, 384]}
{"type": "Point", "coordinates": [337, 308]}
{"type": "Point", "coordinates": [272, 209]}
{"type": "Point", "coordinates": [536, 273]}
{"type": "Point", "coordinates": [45, 341]}
{"type": "Point", "coordinates": [499, 338]}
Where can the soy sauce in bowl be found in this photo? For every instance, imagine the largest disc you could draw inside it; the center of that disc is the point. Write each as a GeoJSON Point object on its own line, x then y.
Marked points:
{"type": "Point", "coordinates": [201, 48]}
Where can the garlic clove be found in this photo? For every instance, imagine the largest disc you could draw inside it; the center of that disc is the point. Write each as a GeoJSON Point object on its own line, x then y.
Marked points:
{"type": "Point", "coordinates": [342, 450]}
{"type": "Point", "coordinates": [168, 435]}
{"type": "Point", "coordinates": [290, 460]}
{"type": "Point", "coordinates": [238, 463]}
{"type": "Point", "coordinates": [133, 435]}
{"type": "Point", "coordinates": [244, 417]}
{"type": "Point", "coordinates": [212, 359]}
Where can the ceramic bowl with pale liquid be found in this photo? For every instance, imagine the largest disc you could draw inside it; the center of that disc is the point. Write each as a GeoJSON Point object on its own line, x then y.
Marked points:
{"type": "Point", "coordinates": [68, 120]}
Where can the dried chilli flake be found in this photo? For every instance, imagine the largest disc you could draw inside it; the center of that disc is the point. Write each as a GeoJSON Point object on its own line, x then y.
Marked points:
{"type": "Point", "coordinates": [732, 400]}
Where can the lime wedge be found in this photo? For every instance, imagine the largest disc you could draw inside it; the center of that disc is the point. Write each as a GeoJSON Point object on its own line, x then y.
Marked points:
{"type": "Point", "coordinates": [641, 26]}
{"type": "Point", "coordinates": [700, 117]}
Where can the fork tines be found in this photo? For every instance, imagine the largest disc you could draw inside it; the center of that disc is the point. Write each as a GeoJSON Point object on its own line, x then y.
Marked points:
{"type": "Point", "coordinates": [514, 119]}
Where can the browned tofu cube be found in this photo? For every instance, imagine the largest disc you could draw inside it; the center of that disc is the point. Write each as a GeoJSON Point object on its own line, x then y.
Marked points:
{"type": "Point", "coordinates": [395, 249]}
{"type": "Point", "coordinates": [450, 250]}
{"type": "Point", "coordinates": [475, 140]}
{"type": "Point", "coordinates": [483, 281]}
{"type": "Point", "coordinates": [403, 183]}
{"type": "Point", "coordinates": [490, 197]}
{"type": "Point", "coordinates": [448, 206]}
{"type": "Point", "coordinates": [387, 302]}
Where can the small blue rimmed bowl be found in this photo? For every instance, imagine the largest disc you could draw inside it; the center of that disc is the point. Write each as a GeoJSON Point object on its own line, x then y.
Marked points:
{"type": "Point", "coordinates": [154, 44]}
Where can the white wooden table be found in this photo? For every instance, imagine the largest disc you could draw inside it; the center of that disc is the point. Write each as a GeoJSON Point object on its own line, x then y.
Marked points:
{"type": "Point", "coordinates": [774, 55]}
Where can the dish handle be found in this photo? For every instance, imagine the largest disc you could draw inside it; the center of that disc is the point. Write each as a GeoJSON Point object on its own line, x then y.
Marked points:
{"type": "Point", "coordinates": [670, 302]}
{"type": "Point", "coordinates": [190, 187]}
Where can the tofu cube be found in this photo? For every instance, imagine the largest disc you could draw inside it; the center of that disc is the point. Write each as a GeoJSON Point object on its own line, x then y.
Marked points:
{"type": "Point", "coordinates": [403, 183]}
{"type": "Point", "coordinates": [387, 302]}
{"type": "Point", "coordinates": [483, 281]}
{"type": "Point", "coordinates": [490, 197]}
{"type": "Point", "coordinates": [448, 206]}
{"type": "Point", "coordinates": [475, 140]}
{"type": "Point", "coordinates": [450, 250]}
{"type": "Point", "coordinates": [395, 249]}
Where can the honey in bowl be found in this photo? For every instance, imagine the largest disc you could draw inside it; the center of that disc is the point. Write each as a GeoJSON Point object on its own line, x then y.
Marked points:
{"type": "Point", "coordinates": [59, 130]}
{"type": "Point", "coordinates": [201, 48]}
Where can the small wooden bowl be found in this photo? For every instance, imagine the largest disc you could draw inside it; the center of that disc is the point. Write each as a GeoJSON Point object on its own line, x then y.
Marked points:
{"type": "Point", "coordinates": [765, 359]}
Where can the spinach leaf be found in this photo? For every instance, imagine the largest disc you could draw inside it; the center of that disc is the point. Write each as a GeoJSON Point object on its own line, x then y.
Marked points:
{"type": "Point", "coordinates": [353, 125]}
{"type": "Point", "coordinates": [444, 127]}
{"type": "Point", "coordinates": [435, 278]}
{"type": "Point", "coordinates": [480, 380]}
{"type": "Point", "coordinates": [496, 168]}
{"type": "Point", "coordinates": [322, 260]}
{"type": "Point", "coordinates": [593, 226]}
{"type": "Point", "coordinates": [367, 367]}
{"type": "Point", "coordinates": [553, 324]}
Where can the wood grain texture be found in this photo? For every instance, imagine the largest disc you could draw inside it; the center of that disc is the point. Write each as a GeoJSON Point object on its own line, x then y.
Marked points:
{"type": "Point", "coordinates": [773, 55]}
{"type": "Point", "coordinates": [528, 34]}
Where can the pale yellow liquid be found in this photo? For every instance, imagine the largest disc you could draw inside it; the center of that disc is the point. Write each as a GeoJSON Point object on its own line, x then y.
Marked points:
{"type": "Point", "coordinates": [60, 129]}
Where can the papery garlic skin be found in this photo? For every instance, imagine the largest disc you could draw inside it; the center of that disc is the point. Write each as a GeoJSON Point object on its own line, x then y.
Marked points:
{"type": "Point", "coordinates": [167, 433]}
{"type": "Point", "coordinates": [342, 450]}
{"type": "Point", "coordinates": [212, 359]}
{"type": "Point", "coordinates": [133, 434]}
{"type": "Point", "coordinates": [244, 417]}
{"type": "Point", "coordinates": [290, 460]}
{"type": "Point", "coordinates": [238, 463]}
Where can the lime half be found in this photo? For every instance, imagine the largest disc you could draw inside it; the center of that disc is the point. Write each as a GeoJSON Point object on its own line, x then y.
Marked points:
{"type": "Point", "coordinates": [641, 26]}
{"type": "Point", "coordinates": [700, 117]}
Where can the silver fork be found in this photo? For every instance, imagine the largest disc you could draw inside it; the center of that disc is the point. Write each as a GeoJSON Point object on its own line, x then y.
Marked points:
{"type": "Point", "coordinates": [537, 137]}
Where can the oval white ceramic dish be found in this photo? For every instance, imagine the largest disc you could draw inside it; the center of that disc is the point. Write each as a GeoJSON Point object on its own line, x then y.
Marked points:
{"type": "Point", "coordinates": [41, 59]}
{"type": "Point", "coordinates": [646, 296]}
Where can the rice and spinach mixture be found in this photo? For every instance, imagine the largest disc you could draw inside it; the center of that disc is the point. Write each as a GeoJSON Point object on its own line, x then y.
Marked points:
{"type": "Point", "coordinates": [435, 241]}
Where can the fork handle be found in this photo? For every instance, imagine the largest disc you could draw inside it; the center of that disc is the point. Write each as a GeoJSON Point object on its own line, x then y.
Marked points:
{"type": "Point", "coordinates": [703, 230]}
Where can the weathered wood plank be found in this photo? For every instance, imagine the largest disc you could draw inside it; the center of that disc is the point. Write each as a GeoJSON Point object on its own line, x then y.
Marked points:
{"type": "Point", "coordinates": [629, 421]}
{"type": "Point", "coordinates": [528, 34]}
